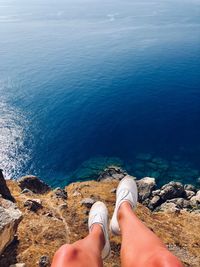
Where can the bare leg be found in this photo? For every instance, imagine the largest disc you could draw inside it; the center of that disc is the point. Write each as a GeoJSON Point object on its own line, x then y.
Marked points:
{"type": "Point", "coordinates": [83, 253]}
{"type": "Point", "coordinates": [140, 246]}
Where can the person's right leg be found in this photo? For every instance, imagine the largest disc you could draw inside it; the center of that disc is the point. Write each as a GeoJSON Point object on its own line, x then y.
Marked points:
{"type": "Point", "coordinates": [90, 250]}
{"type": "Point", "coordinates": [83, 253]}
{"type": "Point", "coordinates": [140, 246]}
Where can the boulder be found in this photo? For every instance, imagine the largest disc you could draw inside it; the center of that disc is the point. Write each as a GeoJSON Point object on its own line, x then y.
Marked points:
{"type": "Point", "coordinates": [190, 187]}
{"type": "Point", "coordinates": [60, 193]}
{"type": "Point", "coordinates": [189, 194]}
{"type": "Point", "coordinates": [34, 184]}
{"type": "Point", "coordinates": [195, 200]}
{"type": "Point", "coordinates": [171, 190]}
{"type": "Point", "coordinates": [4, 190]}
{"type": "Point", "coordinates": [10, 217]}
{"type": "Point", "coordinates": [145, 187]}
{"type": "Point", "coordinates": [156, 192]}
{"type": "Point", "coordinates": [33, 204]}
{"type": "Point", "coordinates": [154, 202]}
{"type": "Point", "coordinates": [112, 173]}
{"type": "Point", "coordinates": [87, 202]}
{"type": "Point", "coordinates": [180, 203]}
{"type": "Point", "coordinates": [44, 261]}
{"type": "Point", "coordinates": [168, 207]}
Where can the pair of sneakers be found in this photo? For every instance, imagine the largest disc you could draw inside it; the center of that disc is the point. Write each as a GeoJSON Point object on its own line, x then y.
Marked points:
{"type": "Point", "coordinates": [126, 191]}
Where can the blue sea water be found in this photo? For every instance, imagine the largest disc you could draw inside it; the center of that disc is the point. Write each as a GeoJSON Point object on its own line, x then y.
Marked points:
{"type": "Point", "coordinates": [89, 83]}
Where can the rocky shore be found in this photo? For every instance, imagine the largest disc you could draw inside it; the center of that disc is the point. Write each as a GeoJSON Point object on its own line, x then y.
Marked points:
{"type": "Point", "coordinates": [35, 220]}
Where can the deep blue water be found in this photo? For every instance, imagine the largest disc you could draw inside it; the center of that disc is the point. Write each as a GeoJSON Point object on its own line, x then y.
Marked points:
{"type": "Point", "coordinates": [88, 83]}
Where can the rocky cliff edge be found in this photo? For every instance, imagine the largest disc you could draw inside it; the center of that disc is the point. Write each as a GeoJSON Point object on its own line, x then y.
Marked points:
{"type": "Point", "coordinates": [42, 219]}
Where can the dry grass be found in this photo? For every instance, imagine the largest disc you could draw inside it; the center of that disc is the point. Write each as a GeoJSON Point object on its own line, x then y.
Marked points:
{"type": "Point", "coordinates": [43, 232]}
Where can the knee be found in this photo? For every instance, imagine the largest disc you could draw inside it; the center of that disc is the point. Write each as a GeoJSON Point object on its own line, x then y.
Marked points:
{"type": "Point", "coordinates": [172, 261]}
{"type": "Point", "coordinates": [67, 251]}
{"type": "Point", "coordinates": [166, 260]}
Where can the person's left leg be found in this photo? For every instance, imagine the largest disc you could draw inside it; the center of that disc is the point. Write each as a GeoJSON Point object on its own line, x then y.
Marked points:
{"type": "Point", "coordinates": [83, 253]}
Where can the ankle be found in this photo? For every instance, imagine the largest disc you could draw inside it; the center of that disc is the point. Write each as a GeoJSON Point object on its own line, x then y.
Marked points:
{"type": "Point", "coordinates": [123, 209]}
{"type": "Point", "coordinates": [98, 232]}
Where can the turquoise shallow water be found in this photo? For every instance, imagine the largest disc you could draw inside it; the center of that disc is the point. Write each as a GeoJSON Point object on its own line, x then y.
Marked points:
{"type": "Point", "coordinates": [85, 84]}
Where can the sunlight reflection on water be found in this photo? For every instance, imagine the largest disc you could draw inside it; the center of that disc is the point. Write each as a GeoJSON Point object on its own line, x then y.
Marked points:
{"type": "Point", "coordinates": [13, 153]}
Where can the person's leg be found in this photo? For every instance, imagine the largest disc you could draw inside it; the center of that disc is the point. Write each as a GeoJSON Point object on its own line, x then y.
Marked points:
{"type": "Point", "coordinates": [83, 253]}
{"type": "Point", "coordinates": [140, 246]}
{"type": "Point", "coordinates": [90, 250]}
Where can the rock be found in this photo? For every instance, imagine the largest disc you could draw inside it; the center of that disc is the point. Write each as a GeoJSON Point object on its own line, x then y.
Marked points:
{"type": "Point", "coordinates": [34, 184]}
{"type": "Point", "coordinates": [145, 187]}
{"type": "Point", "coordinates": [189, 194]}
{"type": "Point", "coordinates": [27, 191]}
{"type": "Point", "coordinates": [33, 204]}
{"type": "Point", "coordinates": [86, 212]}
{"type": "Point", "coordinates": [113, 190]}
{"type": "Point", "coordinates": [146, 202]}
{"type": "Point", "coordinates": [63, 207]}
{"type": "Point", "coordinates": [44, 261]}
{"type": "Point", "coordinates": [180, 203]}
{"type": "Point", "coordinates": [117, 176]}
{"type": "Point", "coordinates": [4, 190]}
{"type": "Point", "coordinates": [60, 193]}
{"type": "Point", "coordinates": [87, 202]}
{"type": "Point", "coordinates": [172, 190]}
{"type": "Point", "coordinates": [85, 221]}
{"type": "Point", "coordinates": [112, 173]}
{"type": "Point", "coordinates": [49, 214]}
{"type": "Point", "coordinates": [168, 207]}
{"type": "Point", "coordinates": [156, 192]}
{"type": "Point", "coordinates": [195, 200]}
{"type": "Point", "coordinates": [76, 193]}
{"type": "Point", "coordinates": [10, 217]}
{"type": "Point", "coordinates": [190, 187]}
{"type": "Point", "coordinates": [154, 202]}
{"type": "Point", "coordinates": [18, 265]}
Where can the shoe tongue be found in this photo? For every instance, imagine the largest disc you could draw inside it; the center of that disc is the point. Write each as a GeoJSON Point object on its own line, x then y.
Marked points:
{"type": "Point", "coordinates": [97, 218]}
{"type": "Point", "coordinates": [125, 194]}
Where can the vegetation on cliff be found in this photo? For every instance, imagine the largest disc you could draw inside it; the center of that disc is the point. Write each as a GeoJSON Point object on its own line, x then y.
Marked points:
{"type": "Point", "coordinates": [58, 216]}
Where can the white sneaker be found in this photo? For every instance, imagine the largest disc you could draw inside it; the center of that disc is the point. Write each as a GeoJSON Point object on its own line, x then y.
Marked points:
{"type": "Point", "coordinates": [99, 215]}
{"type": "Point", "coordinates": [126, 191]}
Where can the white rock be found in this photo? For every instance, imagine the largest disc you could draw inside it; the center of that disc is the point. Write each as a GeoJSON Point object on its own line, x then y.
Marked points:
{"type": "Point", "coordinates": [168, 207]}
{"type": "Point", "coordinates": [145, 187]}
{"type": "Point", "coordinates": [195, 200]}
{"type": "Point", "coordinates": [18, 265]}
{"type": "Point", "coordinates": [88, 202]}
{"type": "Point", "coordinates": [10, 217]}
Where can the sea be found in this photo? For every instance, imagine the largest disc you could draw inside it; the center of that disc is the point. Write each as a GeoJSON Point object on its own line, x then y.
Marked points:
{"type": "Point", "coordinates": [85, 84]}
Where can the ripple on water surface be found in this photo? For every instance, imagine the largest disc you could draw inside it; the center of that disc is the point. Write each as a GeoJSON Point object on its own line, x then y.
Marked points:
{"type": "Point", "coordinates": [14, 154]}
